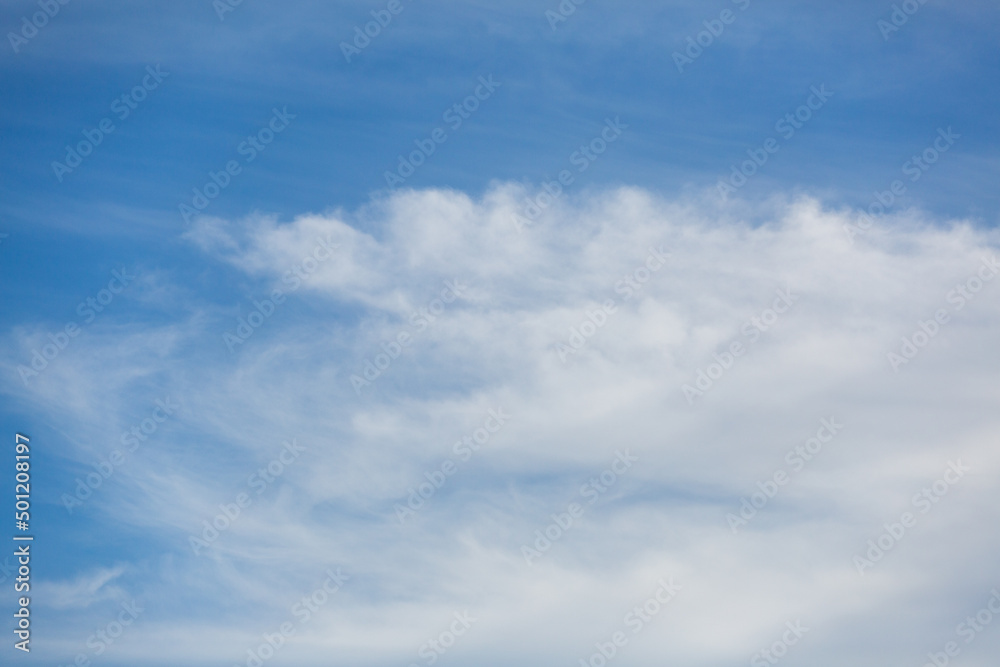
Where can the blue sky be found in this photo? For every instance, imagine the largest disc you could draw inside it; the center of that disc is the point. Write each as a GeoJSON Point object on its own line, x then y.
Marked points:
{"type": "Point", "coordinates": [307, 236]}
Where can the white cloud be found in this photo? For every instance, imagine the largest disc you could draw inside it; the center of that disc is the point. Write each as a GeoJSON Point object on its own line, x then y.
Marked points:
{"type": "Point", "coordinates": [496, 346]}
{"type": "Point", "coordinates": [83, 591]}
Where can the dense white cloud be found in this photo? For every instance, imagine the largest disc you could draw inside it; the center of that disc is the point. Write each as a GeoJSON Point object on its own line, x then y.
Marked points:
{"type": "Point", "coordinates": [497, 347]}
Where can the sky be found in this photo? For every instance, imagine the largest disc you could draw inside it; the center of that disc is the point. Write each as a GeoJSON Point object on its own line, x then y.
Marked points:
{"type": "Point", "coordinates": [502, 333]}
